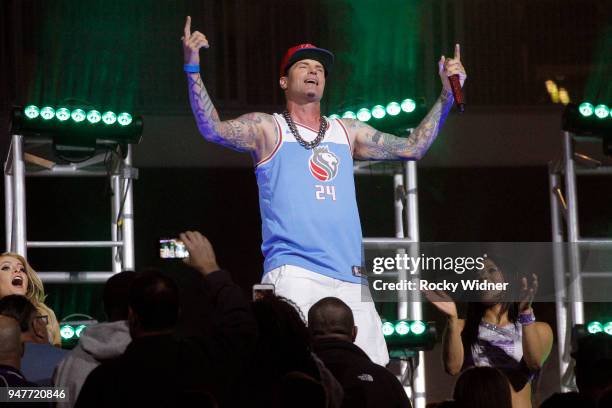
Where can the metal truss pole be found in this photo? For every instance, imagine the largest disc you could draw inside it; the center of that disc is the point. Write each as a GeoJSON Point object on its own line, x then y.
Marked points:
{"type": "Point", "coordinates": [416, 307]}
{"type": "Point", "coordinates": [127, 216]}
{"type": "Point", "coordinates": [563, 335]}
{"type": "Point", "coordinates": [18, 227]}
{"type": "Point", "coordinates": [573, 235]}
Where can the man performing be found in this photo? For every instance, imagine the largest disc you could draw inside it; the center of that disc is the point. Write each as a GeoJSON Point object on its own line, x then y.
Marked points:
{"type": "Point", "coordinates": [304, 167]}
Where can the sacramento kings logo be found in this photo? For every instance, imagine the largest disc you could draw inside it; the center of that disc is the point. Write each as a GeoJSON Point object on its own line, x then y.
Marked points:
{"type": "Point", "coordinates": [323, 164]}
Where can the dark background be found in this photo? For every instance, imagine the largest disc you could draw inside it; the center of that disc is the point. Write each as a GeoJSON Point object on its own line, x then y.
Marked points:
{"type": "Point", "coordinates": [484, 179]}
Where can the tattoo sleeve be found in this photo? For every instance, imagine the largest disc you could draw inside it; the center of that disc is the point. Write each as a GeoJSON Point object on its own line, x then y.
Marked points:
{"type": "Point", "coordinates": [239, 134]}
{"type": "Point", "coordinates": [375, 145]}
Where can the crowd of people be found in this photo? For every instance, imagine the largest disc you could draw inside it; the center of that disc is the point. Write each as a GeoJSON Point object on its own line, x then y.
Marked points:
{"type": "Point", "coordinates": [254, 353]}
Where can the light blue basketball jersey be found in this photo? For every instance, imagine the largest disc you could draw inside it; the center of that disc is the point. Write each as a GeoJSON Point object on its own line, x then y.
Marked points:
{"type": "Point", "coordinates": [307, 202]}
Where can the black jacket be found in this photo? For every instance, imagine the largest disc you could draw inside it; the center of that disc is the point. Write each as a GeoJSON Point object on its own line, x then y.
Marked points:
{"type": "Point", "coordinates": [366, 384]}
{"type": "Point", "coordinates": [164, 371]}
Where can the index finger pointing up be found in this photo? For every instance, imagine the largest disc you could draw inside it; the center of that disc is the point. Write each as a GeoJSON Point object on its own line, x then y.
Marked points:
{"type": "Point", "coordinates": [457, 52]}
{"type": "Point", "coordinates": [187, 29]}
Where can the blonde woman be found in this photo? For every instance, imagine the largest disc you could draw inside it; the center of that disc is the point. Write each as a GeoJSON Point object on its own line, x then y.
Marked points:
{"type": "Point", "coordinates": [18, 278]}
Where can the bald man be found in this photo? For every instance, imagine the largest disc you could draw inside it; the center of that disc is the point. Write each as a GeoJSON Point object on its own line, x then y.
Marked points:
{"type": "Point", "coordinates": [365, 383]}
{"type": "Point", "coordinates": [11, 349]}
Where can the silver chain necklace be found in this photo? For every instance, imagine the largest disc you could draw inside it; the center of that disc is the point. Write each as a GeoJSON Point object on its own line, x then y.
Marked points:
{"type": "Point", "coordinates": [307, 145]}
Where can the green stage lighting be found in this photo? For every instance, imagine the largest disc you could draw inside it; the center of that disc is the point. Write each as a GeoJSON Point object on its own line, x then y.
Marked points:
{"type": "Point", "coordinates": [349, 115]}
{"type": "Point", "coordinates": [334, 116]}
{"type": "Point", "coordinates": [78, 115]}
{"type": "Point", "coordinates": [72, 140]}
{"type": "Point", "coordinates": [31, 111]}
{"type": "Point", "coordinates": [109, 117]}
{"type": "Point", "coordinates": [79, 330]}
{"type": "Point", "coordinates": [378, 112]}
{"type": "Point", "coordinates": [47, 113]}
{"type": "Point", "coordinates": [408, 105]}
{"type": "Point", "coordinates": [608, 328]}
{"type": "Point", "coordinates": [409, 334]}
{"type": "Point", "coordinates": [602, 111]}
{"type": "Point", "coordinates": [67, 332]}
{"type": "Point", "coordinates": [364, 114]}
{"type": "Point", "coordinates": [62, 114]}
{"type": "Point", "coordinates": [393, 108]}
{"type": "Point", "coordinates": [388, 329]}
{"type": "Point", "coordinates": [402, 328]}
{"type": "Point", "coordinates": [124, 119]}
{"type": "Point", "coordinates": [594, 327]}
{"type": "Point", "coordinates": [71, 331]}
{"type": "Point", "coordinates": [93, 116]}
{"type": "Point", "coordinates": [417, 327]}
{"type": "Point", "coordinates": [586, 109]}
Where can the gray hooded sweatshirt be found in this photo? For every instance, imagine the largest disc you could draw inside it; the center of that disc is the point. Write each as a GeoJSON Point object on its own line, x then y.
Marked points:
{"type": "Point", "coordinates": [103, 341]}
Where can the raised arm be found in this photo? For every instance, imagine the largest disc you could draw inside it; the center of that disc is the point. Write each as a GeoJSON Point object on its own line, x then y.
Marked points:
{"type": "Point", "coordinates": [371, 144]}
{"type": "Point", "coordinates": [245, 133]}
{"type": "Point", "coordinates": [537, 337]}
{"type": "Point", "coordinates": [452, 344]}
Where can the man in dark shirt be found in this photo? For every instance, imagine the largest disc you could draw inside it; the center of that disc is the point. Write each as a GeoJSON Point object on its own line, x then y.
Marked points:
{"type": "Point", "coordinates": [366, 384]}
{"type": "Point", "coordinates": [159, 370]}
{"type": "Point", "coordinates": [11, 349]}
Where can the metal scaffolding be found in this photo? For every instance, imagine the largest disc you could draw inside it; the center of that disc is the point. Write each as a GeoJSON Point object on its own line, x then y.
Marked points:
{"type": "Point", "coordinates": [20, 163]}
{"type": "Point", "coordinates": [406, 214]}
{"type": "Point", "coordinates": [568, 279]}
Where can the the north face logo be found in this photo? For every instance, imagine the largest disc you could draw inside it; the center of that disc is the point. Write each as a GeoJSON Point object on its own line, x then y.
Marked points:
{"type": "Point", "coordinates": [366, 377]}
{"type": "Point", "coordinates": [323, 164]}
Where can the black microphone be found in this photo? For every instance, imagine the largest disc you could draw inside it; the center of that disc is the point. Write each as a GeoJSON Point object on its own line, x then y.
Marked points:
{"type": "Point", "coordinates": [457, 92]}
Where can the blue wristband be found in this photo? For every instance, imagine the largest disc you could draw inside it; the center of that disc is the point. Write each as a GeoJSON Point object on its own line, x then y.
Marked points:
{"type": "Point", "coordinates": [526, 319]}
{"type": "Point", "coordinates": [191, 68]}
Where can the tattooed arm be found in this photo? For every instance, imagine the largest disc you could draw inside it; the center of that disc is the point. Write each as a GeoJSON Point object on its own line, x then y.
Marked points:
{"type": "Point", "coordinates": [371, 144]}
{"type": "Point", "coordinates": [243, 134]}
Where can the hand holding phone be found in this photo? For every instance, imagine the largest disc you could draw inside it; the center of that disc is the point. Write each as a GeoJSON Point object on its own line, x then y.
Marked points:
{"type": "Point", "coordinates": [201, 253]}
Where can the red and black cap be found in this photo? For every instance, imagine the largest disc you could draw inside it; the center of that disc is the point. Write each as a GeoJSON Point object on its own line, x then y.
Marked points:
{"type": "Point", "coordinates": [307, 51]}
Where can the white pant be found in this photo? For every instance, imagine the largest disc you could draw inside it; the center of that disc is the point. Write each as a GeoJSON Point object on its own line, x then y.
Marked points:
{"type": "Point", "coordinates": [305, 288]}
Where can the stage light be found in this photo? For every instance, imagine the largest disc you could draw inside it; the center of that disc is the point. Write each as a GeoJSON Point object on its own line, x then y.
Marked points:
{"type": "Point", "coordinates": [585, 120]}
{"type": "Point", "coordinates": [585, 109]}
{"type": "Point", "coordinates": [378, 112]}
{"type": "Point", "coordinates": [364, 114]}
{"type": "Point", "coordinates": [602, 111]}
{"type": "Point", "coordinates": [334, 116]}
{"type": "Point", "coordinates": [408, 105]}
{"type": "Point", "coordinates": [109, 117]}
{"type": "Point", "coordinates": [393, 108]}
{"type": "Point", "coordinates": [93, 116]}
{"type": "Point", "coordinates": [124, 119]}
{"type": "Point", "coordinates": [417, 327]}
{"type": "Point", "coordinates": [402, 328]}
{"type": "Point", "coordinates": [67, 332]}
{"type": "Point", "coordinates": [79, 330]}
{"type": "Point", "coordinates": [594, 327]}
{"type": "Point", "coordinates": [73, 139]}
{"type": "Point", "coordinates": [409, 334]}
{"type": "Point", "coordinates": [47, 113]}
{"type": "Point", "coordinates": [564, 96]}
{"type": "Point", "coordinates": [71, 331]}
{"type": "Point", "coordinates": [608, 328]}
{"type": "Point", "coordinates": [551, 86]}
{"type": "Point", "coordinates": [62, 114]}
{"type": "Point", "coordinates": [349, 115]}
{"type": "Point", "coordinates": [78, 115]}
{"type": "Point", "coordinates": [31, 111]}
{"type": "Point", "coordinates": [388, 329]}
